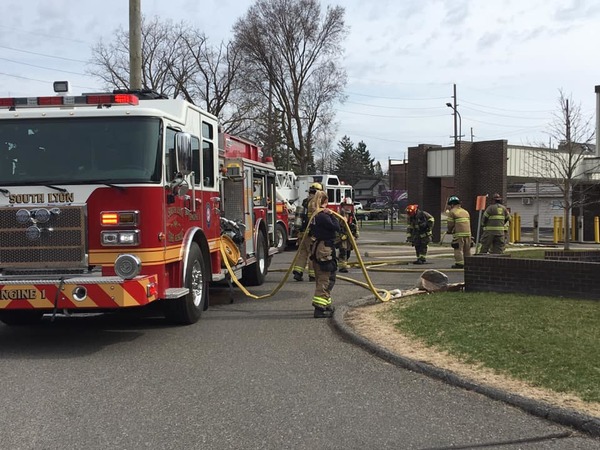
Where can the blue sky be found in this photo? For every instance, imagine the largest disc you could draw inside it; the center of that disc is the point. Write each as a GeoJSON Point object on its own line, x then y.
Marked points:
{"type": "Point", "coordinates": [507, 58]}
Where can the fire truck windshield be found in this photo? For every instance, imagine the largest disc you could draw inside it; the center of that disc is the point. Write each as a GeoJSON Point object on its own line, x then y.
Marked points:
{"type": "Point", "coordinates": [80, 150]}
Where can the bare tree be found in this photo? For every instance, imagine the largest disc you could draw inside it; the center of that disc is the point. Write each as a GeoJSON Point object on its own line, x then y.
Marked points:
{"type": "Point", "coordinates": [291, 54]}
{"type": "Point", "coordinates": [110, 62]}
{"type": "Point", "coordinates": [325, 155]}
{"type": "Point", "coordinates": [570, 167]}
{"type": "Point", "coordinates": [177, 61]}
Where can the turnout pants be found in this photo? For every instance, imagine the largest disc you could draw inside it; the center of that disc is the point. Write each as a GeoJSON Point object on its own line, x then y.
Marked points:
{"type": "Point", "coordinates": [492, 243]}
{"type": "Point", "coordinates": [463, 249]}
{"type": "Point", "coordinates": [325, 271]}
{"type": "Point", "coordinates": [302, 258]}
{"type": "Point", "coordinates": [344, 254]}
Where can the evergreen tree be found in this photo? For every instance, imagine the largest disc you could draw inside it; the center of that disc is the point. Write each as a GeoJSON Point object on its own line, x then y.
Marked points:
{"type": "Point", "coordinates": [366, 162]}
{"type": "Point", "coordinates": [353, 163]}
{"type": "Point", "coordinates": [346, 167]}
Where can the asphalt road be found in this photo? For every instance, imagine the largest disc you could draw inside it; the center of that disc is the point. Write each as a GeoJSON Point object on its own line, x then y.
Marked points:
{"type": "Point", "coordinates": [252, 374]}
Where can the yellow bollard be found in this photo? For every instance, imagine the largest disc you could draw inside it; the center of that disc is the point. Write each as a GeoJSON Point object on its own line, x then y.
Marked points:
{"type": "Point", "coordinates": [555, 230]}
{"type": "Point", "coordinates": [597, 230]}
{"type": "Point", "coordinates": [561, 229]}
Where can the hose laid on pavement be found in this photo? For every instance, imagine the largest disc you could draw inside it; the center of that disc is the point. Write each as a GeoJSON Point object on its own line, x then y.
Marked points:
{"type": "Point", "coordinates": [383, 297]}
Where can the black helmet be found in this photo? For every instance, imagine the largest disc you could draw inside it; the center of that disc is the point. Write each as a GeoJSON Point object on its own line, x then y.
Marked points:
{"type": "Point", "coordinates": [454, 200]}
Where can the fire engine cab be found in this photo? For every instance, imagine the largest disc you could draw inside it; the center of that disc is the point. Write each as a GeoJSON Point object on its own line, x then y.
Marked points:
{"type": "Point", "coordinates": [124, 199]}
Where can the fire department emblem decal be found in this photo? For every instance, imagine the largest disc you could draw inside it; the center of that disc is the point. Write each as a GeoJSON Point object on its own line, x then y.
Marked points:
{"type": "Point", "coordinates": [208, 216]}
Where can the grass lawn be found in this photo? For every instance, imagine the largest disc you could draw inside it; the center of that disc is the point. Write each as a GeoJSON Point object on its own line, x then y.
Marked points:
{"type": "Point", "coordinates": [549, 342]}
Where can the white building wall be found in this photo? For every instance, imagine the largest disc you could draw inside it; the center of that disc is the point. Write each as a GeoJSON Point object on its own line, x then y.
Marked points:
{"type": "Point", "coordinates": [548, 209]}
{"type": "Point", "coordinates": [440, 162]}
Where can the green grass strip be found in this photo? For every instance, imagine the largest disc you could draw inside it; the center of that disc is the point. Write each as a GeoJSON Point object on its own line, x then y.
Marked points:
{"type": "Point", "coordinates": [552, 343]}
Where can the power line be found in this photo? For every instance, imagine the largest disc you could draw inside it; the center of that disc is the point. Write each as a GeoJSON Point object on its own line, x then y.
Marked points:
{"type": "Point", "coordinates": [42, 54]}
{"type": "Point", "coordinates": [397, 98]}
{"type": "Point", "coordinates": [390, 117]}
{"type": "Point", "coordinates": [503, 115]}
{"type": "Point", "coordinates": [390, 107]}
{"type": "Point", "coordinates": [41, 81]}
{"type": "Point", "coordinates": [46, 68]}
{"type": "Point", "coordinates": [51, 36]}
{"type": "Point", "coordinates": [501, 125]}
{"type": "Point", "coordinates": [503, 109]}
{"type": "Point", "coordinates": [394, 140]}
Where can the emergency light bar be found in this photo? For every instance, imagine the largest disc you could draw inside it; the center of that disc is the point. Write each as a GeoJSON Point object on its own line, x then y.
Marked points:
{"type": "Point", "coordinates": [91, 100]}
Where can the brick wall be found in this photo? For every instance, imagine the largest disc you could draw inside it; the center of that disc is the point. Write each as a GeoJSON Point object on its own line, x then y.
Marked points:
{"type": "Point", "coordinates": [557, 278]}
{"type": "Point", "coordinates": [424, 191]}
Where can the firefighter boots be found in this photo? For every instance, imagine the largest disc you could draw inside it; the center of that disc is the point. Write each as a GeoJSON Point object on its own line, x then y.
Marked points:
{"type": "Point", "coordinates": [298, 276]}
{"type": "Point", "coordinates": [321, 313]}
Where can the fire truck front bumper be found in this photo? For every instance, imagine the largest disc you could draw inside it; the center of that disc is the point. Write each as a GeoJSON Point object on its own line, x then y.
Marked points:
{"type": "Point", "coordinates": [78, 293]}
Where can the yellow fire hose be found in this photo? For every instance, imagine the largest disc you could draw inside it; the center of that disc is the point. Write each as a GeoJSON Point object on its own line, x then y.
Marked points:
{"type": "Point", "coordinates": [369, 284]}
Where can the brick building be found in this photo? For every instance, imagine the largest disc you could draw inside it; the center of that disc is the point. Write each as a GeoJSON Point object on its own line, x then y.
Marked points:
{"type": "Point", "coordinates": [469, 170]}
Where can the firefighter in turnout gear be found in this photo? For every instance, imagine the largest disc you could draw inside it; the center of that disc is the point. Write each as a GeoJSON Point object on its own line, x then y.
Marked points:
{"type": "Point", "coordinates": [495, 219]}
{"type": "Point", "coordinates": [418, 231]}
{"type": "Point", "coordinates": [324, 228]}
{"type": "Point", "coordinates": [459, 226]}
{"type": "Point", "coordinates": [343, 244]}
{"type": "Point", "coordinates": [304, 244]}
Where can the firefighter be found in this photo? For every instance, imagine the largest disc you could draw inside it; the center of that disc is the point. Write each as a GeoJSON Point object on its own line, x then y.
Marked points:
{"type": "Point", "coordinates": [418, 231]}
{"type": "Point", "coordinates": [343, 243]}
{"type": "Point", "coordinates": [459, 226]}
{"type": "Point", "coordinates": [324, 228]}
{"type": "Point", "coordinates": [495, 219]}
{"type": "Point", "coordinates": [304, 245]}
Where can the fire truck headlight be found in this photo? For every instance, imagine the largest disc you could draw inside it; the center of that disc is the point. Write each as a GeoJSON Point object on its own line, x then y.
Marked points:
{"type": "Point", "coordinates": [129, 238]}
{"type": "Point", "coordinates": [128, 266]}
{"type": "Point", "coordinates": [120, 237]}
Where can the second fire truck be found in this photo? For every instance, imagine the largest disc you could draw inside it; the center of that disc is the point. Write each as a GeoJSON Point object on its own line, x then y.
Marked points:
{"type": "Point", "coordinates": [292, 189]}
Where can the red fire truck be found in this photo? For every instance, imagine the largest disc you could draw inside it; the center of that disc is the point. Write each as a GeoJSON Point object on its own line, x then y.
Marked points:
{"type": "Point", "coordinates": [124, 199]}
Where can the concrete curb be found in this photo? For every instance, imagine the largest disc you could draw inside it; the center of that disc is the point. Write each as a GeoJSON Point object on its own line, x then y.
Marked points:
{"type": "Point", "coordinates": [574, 419]}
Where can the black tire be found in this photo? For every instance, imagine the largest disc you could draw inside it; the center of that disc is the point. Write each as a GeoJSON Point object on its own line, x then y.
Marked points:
{"type": "Point", "coordinates": [281, 237]}
{"type": "Point", "coordinates": [254, 274]}
{"type": "Point", "coordinates": [188, 309]}
{"type": "Point", "coordinates": [20, 318]}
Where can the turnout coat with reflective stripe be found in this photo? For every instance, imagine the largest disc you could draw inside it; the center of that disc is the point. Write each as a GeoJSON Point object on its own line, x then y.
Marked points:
{"type": "Point", "coordinates": [459, 222]}
{"type": "Point", "coordinates": [495, 218]}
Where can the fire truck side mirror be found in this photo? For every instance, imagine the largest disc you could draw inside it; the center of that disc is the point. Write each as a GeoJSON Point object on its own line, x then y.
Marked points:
{"type": "Point", "coordinates": [183, 149]}
{"type": "Point", "coordinates": [179, 186]}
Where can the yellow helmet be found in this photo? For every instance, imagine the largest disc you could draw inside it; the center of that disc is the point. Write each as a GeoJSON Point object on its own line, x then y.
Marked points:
{"type": "Point", "coordinates": [315, 187]}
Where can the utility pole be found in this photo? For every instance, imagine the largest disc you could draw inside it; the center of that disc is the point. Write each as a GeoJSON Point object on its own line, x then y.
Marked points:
{"type": "Point", "coordinates": [270, 137]}
{"type": "Point", "coordinates": [392, 193]}
{"type": "Point", "coordinates": [135, 44]}
{"type": "Point", "coordinates": [456, 136]}
{"type": "Point", "coordinates": [457, 132]}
